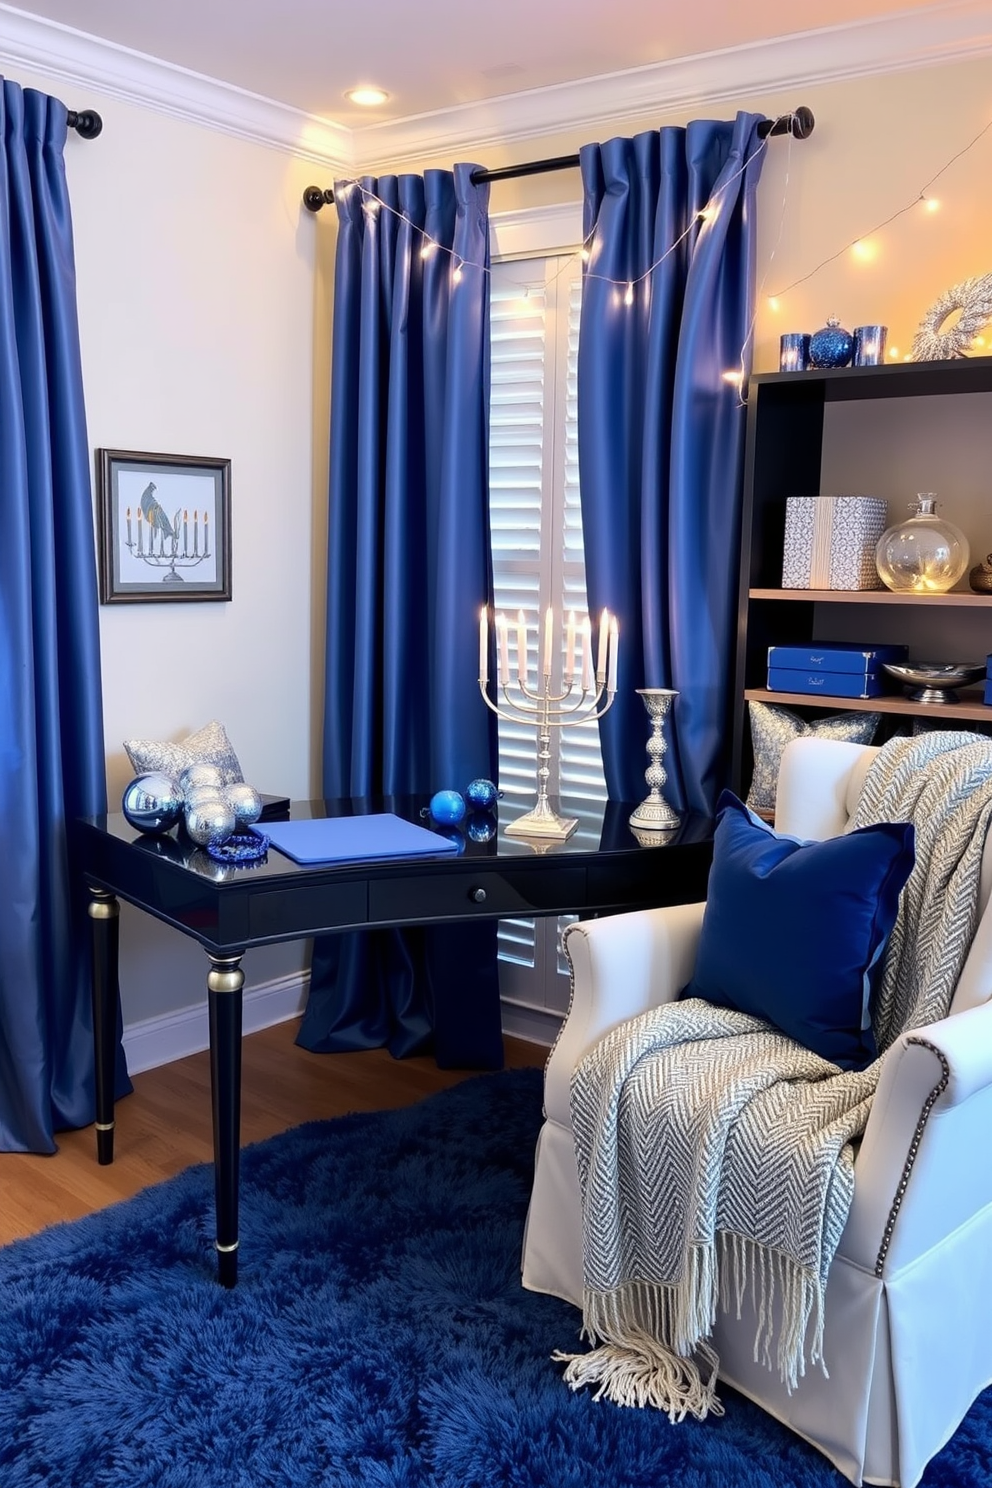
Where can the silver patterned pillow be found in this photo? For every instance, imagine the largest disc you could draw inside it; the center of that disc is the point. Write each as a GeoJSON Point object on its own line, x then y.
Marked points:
{"type": "Point", "coordinates": [208, 746]}
{"type": "Point", "coordinates": [772, 727]}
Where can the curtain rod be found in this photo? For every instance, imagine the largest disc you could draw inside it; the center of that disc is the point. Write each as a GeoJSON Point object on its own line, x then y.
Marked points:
{"type": "Point", "coordinates": [87, 123]}
{"type": "Point", "coordinates": [799, 124]}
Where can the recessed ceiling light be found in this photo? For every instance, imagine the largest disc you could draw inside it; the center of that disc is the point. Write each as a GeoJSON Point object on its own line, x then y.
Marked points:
{"type": "Point", "coordinates": [366, 97]}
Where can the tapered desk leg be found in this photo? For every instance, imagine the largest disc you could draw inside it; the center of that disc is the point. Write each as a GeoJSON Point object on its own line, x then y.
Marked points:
{"type": "Point", "coordinates": [224, 983]}
{"type": "Point", "coordinates": [104, 913]}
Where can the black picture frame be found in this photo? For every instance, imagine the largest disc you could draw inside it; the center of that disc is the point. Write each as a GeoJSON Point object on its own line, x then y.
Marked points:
{"type": "Point", "coordinates": [164, 527]}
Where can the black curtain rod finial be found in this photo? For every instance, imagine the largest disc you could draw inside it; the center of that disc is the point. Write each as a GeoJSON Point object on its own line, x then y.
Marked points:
{"type": "Point", "coordinates": [87, 123]}
{"type": "Point", "coordinates": [315, 197]}
{"type": "Point", "coordinates": [799, 124]}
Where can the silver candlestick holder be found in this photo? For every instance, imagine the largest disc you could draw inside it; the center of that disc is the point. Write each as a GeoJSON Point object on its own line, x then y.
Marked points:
{"type": "Point", "coordinates": [654, 813]}
{"type": "Point", "coordinates": [576, 701]}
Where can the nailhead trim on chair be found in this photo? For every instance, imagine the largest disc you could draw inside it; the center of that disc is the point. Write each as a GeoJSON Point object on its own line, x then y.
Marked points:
{"type": "Point", "coordinates": [914, 1148]}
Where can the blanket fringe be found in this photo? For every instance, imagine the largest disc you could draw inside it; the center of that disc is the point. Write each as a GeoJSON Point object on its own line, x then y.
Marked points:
{"type": "Point", "coordinates": [643, 1372]}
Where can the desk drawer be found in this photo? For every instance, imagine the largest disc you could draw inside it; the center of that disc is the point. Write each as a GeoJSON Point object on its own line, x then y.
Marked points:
{"type": "Point", "coordinates": [288, 913]}
{"type": "Point", "coordinates": [438, 896]}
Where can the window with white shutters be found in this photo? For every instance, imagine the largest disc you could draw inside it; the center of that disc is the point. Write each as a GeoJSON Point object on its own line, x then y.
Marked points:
{"type": "Point", "coordinates": [538, 560]}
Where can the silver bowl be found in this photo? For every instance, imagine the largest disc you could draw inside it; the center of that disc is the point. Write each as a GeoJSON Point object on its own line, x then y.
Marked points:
{"type": "Point", "coordinates": [934, 682]}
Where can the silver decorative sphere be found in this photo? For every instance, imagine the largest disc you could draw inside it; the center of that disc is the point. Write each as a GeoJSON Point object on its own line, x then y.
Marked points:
{"type": "Point", "coordinates": [199, 793]}
{"type": "Point", "coordinates": [152, 803]}
{"type": "Point", "coordinates": [197, 775]}
{"type": "Point", "coordinates": [245, 801]}
{"type": "Point", "coordinates": [210, 822]}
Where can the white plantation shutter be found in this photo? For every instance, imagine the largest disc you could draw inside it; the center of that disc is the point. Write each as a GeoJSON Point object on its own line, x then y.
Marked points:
{"type": "Point", "coordinates": [538, 558]}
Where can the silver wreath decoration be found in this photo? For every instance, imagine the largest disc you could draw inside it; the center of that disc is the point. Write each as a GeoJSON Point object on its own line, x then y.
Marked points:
{"type": "Point", "coordinates": [973, 297]}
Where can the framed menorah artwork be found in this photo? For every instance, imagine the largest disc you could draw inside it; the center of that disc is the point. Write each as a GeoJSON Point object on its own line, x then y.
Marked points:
{"type": "Point", "coordinates": [164, 527]}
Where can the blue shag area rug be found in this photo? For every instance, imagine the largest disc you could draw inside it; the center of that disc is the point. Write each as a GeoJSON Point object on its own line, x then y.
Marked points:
{"type": "Point", "coordinates": [378, 1337]}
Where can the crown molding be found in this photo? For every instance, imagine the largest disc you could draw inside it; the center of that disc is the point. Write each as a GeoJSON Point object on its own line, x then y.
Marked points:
{"type": "Point", "coordinates": [81, 61]}
{"type": "Point", "coordinates": [942, 33]}
{"type": "Point", "coordinates": [911, 39]}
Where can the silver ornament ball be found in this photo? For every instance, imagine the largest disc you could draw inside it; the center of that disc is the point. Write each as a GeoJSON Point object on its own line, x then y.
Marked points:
{"type": "Point", "coordinates": [245, 802]}
{"type": "Point", "coordinates": [152, 803]}
{"type": "Point", "coordinates": [195, 776]}
{"type": "Point", "coordinates": [210, 822]}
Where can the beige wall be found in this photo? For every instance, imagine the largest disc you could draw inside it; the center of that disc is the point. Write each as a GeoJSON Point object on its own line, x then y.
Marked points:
{"type": "Point", "coordinates": [205, 293]}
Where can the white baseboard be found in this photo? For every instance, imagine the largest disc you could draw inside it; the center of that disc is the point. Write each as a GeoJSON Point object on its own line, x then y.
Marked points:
{"type": "Point", "coordinates": [533, 1024]}
{"type": "Point", "coordinates": [156, 1041]}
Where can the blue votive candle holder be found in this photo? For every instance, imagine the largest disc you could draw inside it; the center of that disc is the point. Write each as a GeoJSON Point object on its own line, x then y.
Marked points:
{"type": "Point", "coordinates": [793, 354]}
{"type": "Point", "coordinates": [869, 345]}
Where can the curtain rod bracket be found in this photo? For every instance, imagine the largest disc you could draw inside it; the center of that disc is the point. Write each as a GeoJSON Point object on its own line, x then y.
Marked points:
{"type": "Point", "coordinates": [799, 124]}
{"type": "Point", "coordinates": [86, 122]}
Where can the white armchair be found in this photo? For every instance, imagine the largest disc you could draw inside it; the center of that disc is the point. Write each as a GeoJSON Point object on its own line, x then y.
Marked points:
{"type": "Point", "coordinates": [908, 1335]}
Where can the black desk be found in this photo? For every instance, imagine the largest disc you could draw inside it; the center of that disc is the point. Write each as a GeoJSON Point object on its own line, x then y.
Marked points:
{"type": "Point", "coordinates": [229, 909]}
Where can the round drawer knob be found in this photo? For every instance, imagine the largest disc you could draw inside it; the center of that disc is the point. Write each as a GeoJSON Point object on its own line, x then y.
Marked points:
{"type": "Point", "coordinates": [478, 896]}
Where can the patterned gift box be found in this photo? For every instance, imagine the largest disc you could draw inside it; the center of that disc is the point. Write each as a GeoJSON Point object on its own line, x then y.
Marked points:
{"type": "Point", "coordinates": [830, 542]}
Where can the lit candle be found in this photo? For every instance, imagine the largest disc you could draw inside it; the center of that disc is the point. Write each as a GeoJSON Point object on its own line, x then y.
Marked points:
{"type": "Point", "coordinates": [611, 685]}
{"type": "Point", "coordinates": [570, 649]}
{"type": "Point", "coordinates": [140, 531]}
{"type": "Point", "coordinates": [129, 526]}
{"type": "Point", "coordinates": [521, 649]}
{"type": "Point", "coordinates": [483, 645]}
{"type": "Point", "coordinates": [604, 633]}
{"type": "Point", "coordinates": [196, 534]}
{"type": "Point", "coordinates": [185, 535]}
{"type": "Point", "coordinates": [206, 535]}
{"type": "Point", "coordinates": [504, 650]}
{"type": "Point", "coordinates": [547, 641]}
{"type": "Point", "coordinates": [587, 677]}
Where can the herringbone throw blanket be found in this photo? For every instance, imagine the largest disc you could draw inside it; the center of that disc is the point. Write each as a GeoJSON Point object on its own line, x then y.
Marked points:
{"type": "Point", "coordinates": [714, 1153]}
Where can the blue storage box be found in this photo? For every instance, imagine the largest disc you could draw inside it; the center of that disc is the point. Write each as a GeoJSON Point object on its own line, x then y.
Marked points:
{"type": "Point", "coordinates": [988, 692]}
{"type": "Point", "coordinates": [835, 656]}
{"type": "Point", "coordinates": [829, 684]}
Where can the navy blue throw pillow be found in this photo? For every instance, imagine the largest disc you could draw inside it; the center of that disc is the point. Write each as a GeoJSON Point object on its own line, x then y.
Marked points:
{"type": "Point", "coordinates": [794, 932]}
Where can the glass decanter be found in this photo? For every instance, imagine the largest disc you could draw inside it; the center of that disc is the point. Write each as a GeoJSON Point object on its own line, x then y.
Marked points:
{"type": "Point", "coordinates": [925, 554]}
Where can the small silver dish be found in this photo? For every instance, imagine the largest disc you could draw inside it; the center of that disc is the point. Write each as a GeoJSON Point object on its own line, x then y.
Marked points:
{"type": "Point", "coordinates": [934, 682]}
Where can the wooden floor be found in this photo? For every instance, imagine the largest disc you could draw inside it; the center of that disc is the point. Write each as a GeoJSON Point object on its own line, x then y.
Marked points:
{"type": "Point", "coordinates": [165, 1125]}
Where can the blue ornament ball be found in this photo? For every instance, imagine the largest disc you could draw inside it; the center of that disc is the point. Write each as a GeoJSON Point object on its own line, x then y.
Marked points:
{"type": "Point", "coordinates": [152, 803]}
{"type": "Point", "coordinates": [447, 807]}
{"type": "Point", "coordinates": [481, 795]}
{"type": "Point", "coordinates": [482, 826]}
{"type": "Point", "coordinates": [831, 345]}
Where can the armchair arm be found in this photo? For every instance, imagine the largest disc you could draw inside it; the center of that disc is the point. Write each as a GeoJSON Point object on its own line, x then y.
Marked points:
{"type": "Point", "coordinates": [922, 1170]}
{"type": "Point", "coordinates": [620, 965]}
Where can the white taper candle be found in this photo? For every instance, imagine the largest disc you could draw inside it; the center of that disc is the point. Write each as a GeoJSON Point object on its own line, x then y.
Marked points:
{"type": "Point", "coordinates": [484, 645]}
{"type": "Point", "coordinates": [548, 623]}
{"type": "Point", "coordinates": [570, 649]}
{"type": "Point", "coordinates": [588, 682]}
{"type": "Point", "coordinates": [504, 650]}
{"type": "Point", "coordinates": [604, 633]}
{"type": "Point", "coordinates": [611, 685]}
{"type": "Point", "coordinates": [521, 649]}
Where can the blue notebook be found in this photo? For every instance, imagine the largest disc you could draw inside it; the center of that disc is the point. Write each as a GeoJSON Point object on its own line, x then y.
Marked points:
{"type": "Point", "coordinates": [354, 839]}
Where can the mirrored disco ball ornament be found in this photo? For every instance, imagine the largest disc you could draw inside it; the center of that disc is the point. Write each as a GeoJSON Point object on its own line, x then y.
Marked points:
{"type": "Point", "coordinates": [152, 803]}
{"type": "Point", "coordinates": [195, 777]}
{"type": "Point", "coordinates": [245, 802]}
{"type": "Point", "coordinates": [447, 807]}
{"type": "Point", "coordinates": [481, 795]}
{"type": "Point", "coordinates": [211, 821]}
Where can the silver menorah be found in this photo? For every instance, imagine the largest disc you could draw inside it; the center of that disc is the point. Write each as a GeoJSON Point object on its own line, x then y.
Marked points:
{"type": "Point", "coordinates": [576, 701]}
{"type": "Point", "coordinates": [169, 545]}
